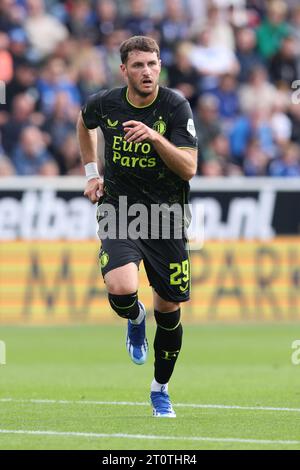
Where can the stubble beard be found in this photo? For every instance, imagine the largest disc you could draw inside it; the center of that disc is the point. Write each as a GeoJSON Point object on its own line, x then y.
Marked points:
{"type": "Point", "coordinates": [143, 94]}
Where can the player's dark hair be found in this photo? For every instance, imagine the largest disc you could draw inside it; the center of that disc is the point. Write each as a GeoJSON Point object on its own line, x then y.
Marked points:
{"type": "Point", "coordinates": [138, 43]}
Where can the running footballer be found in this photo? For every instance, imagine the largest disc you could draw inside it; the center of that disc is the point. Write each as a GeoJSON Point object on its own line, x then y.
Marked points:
{"type": "Point", "coordinates": [150, 155]}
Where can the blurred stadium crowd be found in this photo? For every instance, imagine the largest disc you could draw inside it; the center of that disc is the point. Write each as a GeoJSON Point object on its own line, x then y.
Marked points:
{"type": "Point", "coordinates": [235, 61]}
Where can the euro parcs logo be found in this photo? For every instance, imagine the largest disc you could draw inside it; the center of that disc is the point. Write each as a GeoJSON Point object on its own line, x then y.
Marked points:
{"type": "Point", "coordinates": [2, 353]}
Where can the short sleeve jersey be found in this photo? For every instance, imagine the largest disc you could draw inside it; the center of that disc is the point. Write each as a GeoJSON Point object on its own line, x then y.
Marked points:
{"type": "Point", "coordinates": [136, 170]}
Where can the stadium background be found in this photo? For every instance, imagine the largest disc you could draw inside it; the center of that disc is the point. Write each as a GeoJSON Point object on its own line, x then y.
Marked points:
{"type": "Point", "coordinates": [237, 62]}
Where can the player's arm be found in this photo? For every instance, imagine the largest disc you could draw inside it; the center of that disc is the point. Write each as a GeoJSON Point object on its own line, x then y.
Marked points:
{"type": "Point", "coordinates": [181, 161]}
{"type": "Point", "coordinates": [87, 139]}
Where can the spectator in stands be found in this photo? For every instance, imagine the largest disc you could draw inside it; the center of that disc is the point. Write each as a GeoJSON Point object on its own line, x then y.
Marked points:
{"type": "Point", "coordinates": [238, 16]}
{"type": "Point", "coordinates": [31, 153]}
{"type": "Point", "coordinates": [280, 122]}
{"type": "Point", "coordinates": [218, 150]}
{"type": "Point", "coordinates": [258, 7]}
{"type": "Point", "coordinates": [66, 50]}
{"type": "Point", "coordinates": [248, 127]}
{"type": "Point", "coordinates": [207, 122]}
{"type": "Point", "coordinates": [89, 67]}
{"type": "Point", "coordinates": [21, 117]}
{"type": "Point", "coordinates": [107, 19]}
{"type": "Point", "coordinates": [228, 99]}
{"type": "Point", "coordinates": [84, 53]}
{"type": "Point", "coordinates": [6, 60]}
{"type": "Point", "coordinates": [24, 81]}
{"type": "Point", "coordinates": [60, 122]}
{"type": "Point", "coordinates": [212, 61]}
{"type": "Point", "coordinates": [56, 77]}
{"type": "Point", "coordinates": [211, 169]}
{"type": "Point", "coordinates": [295, 26]}
{"type": "Point", "coordinates": [258, 92]}
{"type": "Point", "coordinates": [49, 168]}
{"type": "Point", "coordinates": [288, 165]}
{"type": "Point", "coordinates": [182, 75]}
{"type": "Point", "coordinates": [283, 67]}
{"type": "Point", "coordinates": [273, 29]}
{"type": "Point", "coordinates": [54, 68]}
{"type": "Point", "coordinates": [173, 28]}
{"type": "Point", "coordinates": [197, 12]}
{"type": "Point", "coordinates": [246, 53]}
{"type": "Point", "coordinates": [220, 28]}
{"type": "Point", "coordinates": [256, 160]}
{"type": "Point", "coordinates": [44, 30]}
{"type": "Point", "coordinates": [11, 15]}
{"type": "Point", "coordinates": [138, 21]}
{"type": "Point", "coordinates": [81, 21]}
{"type": "Point", "coordinates": [69, 157]}
{"type": "Point", "coordinates": [111, 57]}
{"type": "Point", "coordinates": [92, 79]}
{"type": "Point", "coordinates": [18, 45]}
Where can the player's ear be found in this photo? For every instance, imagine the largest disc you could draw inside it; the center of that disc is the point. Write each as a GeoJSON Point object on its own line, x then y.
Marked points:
{"type": "Point", "coordinates": [123, 69]}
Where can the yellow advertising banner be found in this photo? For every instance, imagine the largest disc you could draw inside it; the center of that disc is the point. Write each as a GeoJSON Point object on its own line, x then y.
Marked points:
{"type": "Point", "coordinates": [61, 283]}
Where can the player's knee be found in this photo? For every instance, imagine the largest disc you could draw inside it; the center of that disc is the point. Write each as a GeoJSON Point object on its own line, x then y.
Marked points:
{"type": "Point", "coordinates": [168, 321]}
{"type": "Point", "coordinates": [122, 280]}
{"type": "Point", "coordinates": [165, 306]}
{"type": "Point", "coordinates": [126, 306]}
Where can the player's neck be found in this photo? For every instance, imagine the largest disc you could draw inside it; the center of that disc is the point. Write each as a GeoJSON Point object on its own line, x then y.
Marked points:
{"type": "Point", "coordinates": [140, 101]}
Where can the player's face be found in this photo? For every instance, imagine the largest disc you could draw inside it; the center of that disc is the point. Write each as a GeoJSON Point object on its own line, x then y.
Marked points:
{"type": "Point", "coordinates": [142, 71]}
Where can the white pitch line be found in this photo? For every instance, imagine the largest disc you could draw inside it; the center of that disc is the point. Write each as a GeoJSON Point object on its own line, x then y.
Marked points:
{"type": "Point", "coordinates": [94, 435]}
{"type": "Point", "coordinates": [134, 403]}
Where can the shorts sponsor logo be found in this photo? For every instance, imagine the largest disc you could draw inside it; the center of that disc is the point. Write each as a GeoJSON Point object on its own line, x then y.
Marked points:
{"type": "Point", "coordinates": [104, 259]}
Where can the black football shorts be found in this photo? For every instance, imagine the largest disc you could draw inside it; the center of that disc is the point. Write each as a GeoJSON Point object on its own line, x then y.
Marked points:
{"type": "Point", "coordinates": [166, 263]}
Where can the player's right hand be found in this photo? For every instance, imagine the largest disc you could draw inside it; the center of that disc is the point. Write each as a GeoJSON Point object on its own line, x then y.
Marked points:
{"type": "Point", "coordinates": [94, 189]}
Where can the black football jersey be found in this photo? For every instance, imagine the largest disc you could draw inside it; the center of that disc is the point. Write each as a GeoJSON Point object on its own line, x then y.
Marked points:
{"type": "Point", "coordinates": [136, 170]}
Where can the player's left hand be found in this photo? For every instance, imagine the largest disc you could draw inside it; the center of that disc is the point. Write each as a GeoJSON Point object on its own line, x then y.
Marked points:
{"type": "Point", "coordinates": [136, 131]}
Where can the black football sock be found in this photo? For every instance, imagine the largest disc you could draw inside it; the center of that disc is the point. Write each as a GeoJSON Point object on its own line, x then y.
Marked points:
{"type": "Point", "coordinates": [167, 344]}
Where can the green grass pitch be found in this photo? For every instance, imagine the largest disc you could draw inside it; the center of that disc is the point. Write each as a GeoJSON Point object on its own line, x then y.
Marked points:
{"type": "Point", "coordinates": [245, 369]}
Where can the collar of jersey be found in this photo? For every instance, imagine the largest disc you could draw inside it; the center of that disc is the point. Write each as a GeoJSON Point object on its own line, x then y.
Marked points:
{"type": "Point", "coordinates": [140, 107]}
